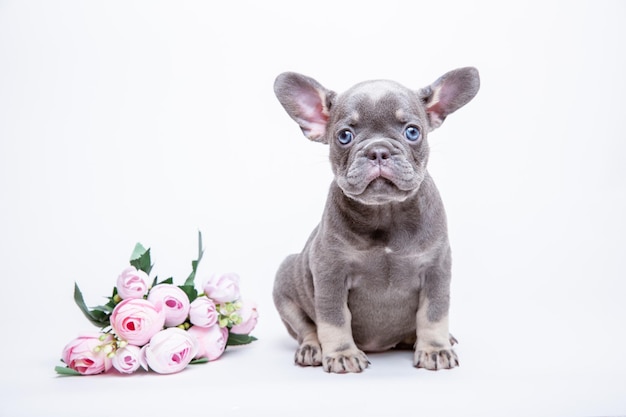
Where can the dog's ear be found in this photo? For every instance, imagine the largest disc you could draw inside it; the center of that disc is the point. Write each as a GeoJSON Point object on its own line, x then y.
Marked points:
{"type": "Point", "coordinates": [449, 93]}
{"type": "Point", "coordinates": [306, 101]}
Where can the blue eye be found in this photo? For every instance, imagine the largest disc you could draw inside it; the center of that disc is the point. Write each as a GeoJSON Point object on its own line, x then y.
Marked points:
{"type": "Point", "coordinates": [412, 133]}
{"type": "Point", "coordinates": [345, 136]}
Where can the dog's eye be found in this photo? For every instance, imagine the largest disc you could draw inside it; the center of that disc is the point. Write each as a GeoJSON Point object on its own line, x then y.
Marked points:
{"type": "Point", "coordinates": [412, 133]}
{"type": "Point", "coordinates": [345, 136]}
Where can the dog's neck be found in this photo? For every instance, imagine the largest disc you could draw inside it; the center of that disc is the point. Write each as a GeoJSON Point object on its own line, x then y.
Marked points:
{"type": "Point", "coordinates": [370, 219]}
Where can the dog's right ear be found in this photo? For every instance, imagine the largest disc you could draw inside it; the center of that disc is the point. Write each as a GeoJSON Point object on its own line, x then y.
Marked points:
{"type": "Point", "coordinates": [306, 101]}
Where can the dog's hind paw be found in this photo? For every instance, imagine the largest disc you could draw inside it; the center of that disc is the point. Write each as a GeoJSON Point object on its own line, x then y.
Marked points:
{"type": "Point", "coordinates": [309, 354]}
{"type": "Point", "coordinates": [436, 359]}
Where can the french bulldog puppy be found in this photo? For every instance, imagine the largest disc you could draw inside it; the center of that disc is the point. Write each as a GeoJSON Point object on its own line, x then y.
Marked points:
{"type": "Point", "coordinates": [375, 273]}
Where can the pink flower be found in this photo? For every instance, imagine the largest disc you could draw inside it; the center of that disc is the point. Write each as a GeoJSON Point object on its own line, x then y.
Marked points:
{"type": "Point", "coordinates": [212, 341]}
{"type": "Point", "coordinates": [137, 320]}
{"type": "Point", "coordinates": [84, 354]}
{"type": "Point", "coordinates": [126, 359]}
{"type": "Point", "coordinates": [132, 283]}
{"type": "Point", "coordinates": [203, 312]}
{"type": "Point", "coordinates": [175, 303]}
{"type": "Point", "coordinates": [222, 288]}
{"type": "Point", "coordinates": [169, 351]}
{"type": "Point", "coordinates": [249, 318]}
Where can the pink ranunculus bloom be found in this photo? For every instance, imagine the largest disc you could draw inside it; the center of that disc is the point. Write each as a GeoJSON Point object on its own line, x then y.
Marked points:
{"type": "Point", "coordinates": [212, 341]}
{"type": "Point", "coordinates": [127, 359]}
{"type": "Point", "coordinates": [169, 351]}
{"type": "Point", "coordinates": [137, 320]}
{"type": "Point", "coordinates": [132, 283]}
{"type": "Point", "coordinates": [203, 312]}
{"type": "Point", "coordinates": [175, 303]}
{"type": "Point", "coordinates": [249, 317]}
{"type": "Point", "coordinates": [223, 288]}
{"type": "Point", "coordinates": [84, 355]}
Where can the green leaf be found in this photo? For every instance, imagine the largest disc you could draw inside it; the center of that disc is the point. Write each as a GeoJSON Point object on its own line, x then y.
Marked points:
{"type": "Point", "coordinates": [66, 370]}
{"type": "Point", "coordinates": [194, 264]}
{"type": "Point", "coordinates": [96, 317]}
{"type": "Point", "coordinates": [140, 258]}
{"type": "Point", "coordinates": [105, 309]}
{"type": "Point", "coordinates": [199, 361]}
{"type": "Point", "coordinates": [190, 290]}
{"type": "Point", "coordinates": [239, 339]}
{"type": "Point", "coordinates": [101, 316]}
{"type": "Point", "coordinates": [138, 251]}
{"type": "Point", "coordinates": [112, 303]}
{"type": "Point", "coordinates": [170, 280]}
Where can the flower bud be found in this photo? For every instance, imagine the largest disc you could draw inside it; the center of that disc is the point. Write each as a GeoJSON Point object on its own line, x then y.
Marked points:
{"type": "Point", "coordinates": [131, 284]}
{"type": "Point", "coordinates": [249, 317]}
{"type": "Point", "coordinates": [83, 355]}
{"type": "Point", "coordinates": [235, 318]}
{"type": "Point", "coordinates": [222, 289]}
{"type": "Point", "coordinates": [170, 350]}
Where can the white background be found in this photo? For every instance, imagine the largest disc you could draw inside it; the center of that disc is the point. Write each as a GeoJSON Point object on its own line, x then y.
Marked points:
{"type": "Point", "coordinates": [148, 121]}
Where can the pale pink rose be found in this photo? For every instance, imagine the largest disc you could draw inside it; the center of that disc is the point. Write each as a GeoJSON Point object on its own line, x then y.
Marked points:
{"type": "Point", "coordinates": [249, 317]}
{"type": "Point", "coordinates": [132, 283]}
{"type": "Point", "coordinates": [169, 351]}
{"type": "Point", "coordinates": [85, 356]}
{"type": "Point", "coordinates": [137, 320]}
{"type": "Point", "coordinates": [175, 303]}
{"type": "Point", "coordinates": [212, 341]}
{"type": "Point", "coordinates": [126, 359]}
{"type": "Point", "coordinates": [203, 312]}
{"type": "Point", "coordinates": [222, 288]}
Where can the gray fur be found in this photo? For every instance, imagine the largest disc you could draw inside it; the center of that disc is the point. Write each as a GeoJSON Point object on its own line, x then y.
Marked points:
{"type": "Point", "coordinates": [375, 273]}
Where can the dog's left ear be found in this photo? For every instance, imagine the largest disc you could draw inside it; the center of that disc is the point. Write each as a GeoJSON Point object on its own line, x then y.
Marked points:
{"type": "Point", "coordinates": [449, 93]}
{"type": "Point", "coordinates": [306, 101]}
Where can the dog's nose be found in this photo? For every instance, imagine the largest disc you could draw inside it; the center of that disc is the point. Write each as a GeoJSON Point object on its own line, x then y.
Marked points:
{"type": "Point", "coordinates": [378, 153]}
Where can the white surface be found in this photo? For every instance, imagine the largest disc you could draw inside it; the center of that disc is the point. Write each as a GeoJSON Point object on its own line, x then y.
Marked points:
{"type": "Point", "coordinates": [146, 121]}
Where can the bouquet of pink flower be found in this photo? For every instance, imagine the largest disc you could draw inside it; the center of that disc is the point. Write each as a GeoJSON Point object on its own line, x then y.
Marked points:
{"type": "Point", "coordinates": [160, 327]}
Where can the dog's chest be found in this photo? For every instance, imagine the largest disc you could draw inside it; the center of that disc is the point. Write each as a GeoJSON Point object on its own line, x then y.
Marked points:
{"type": "Point", "coordinates": [385, 258]}
{"type": "Point", "coordinates": [383, 290]}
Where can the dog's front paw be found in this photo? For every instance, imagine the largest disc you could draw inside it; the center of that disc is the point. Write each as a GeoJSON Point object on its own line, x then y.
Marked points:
{"type": "Point", "coordinates": [344, 361]}
{"type": "Point", "coordinates": [436, 359]}
{"type": "Point", "coordinates": [309, 354]}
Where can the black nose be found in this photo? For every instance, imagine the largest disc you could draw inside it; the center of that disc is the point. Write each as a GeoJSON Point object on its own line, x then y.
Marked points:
{"type": "Point", "coordinates": [378, 153]}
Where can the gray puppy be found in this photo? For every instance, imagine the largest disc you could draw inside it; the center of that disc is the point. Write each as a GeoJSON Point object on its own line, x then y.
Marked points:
{"type": "Point", "coordinates": [375, 273]}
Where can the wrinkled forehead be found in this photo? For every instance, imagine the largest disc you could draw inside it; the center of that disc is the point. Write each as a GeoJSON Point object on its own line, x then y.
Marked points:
{"type": "Point", "coordinates": [375, 99]}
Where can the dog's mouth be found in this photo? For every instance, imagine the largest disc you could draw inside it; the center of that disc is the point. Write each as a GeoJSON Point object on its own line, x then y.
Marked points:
{"type": "Point", "coordinates": [380, 187]}
{"type": "Point", "coordinates": [381, 184]}
{"type": "Point", "coordinates": [385, 177]}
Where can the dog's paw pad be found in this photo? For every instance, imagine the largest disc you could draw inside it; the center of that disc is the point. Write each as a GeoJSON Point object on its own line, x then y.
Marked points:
{"type": "Point", "coordinates": [345, 361]}
{"type": "Point", "coordinates": [309, 355]}
{"type": "Point", "coordinates": [436, 359]}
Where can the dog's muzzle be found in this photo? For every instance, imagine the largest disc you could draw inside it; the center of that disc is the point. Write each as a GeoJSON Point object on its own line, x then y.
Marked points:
{"type": "Point", "coordinates": [379, 170]}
